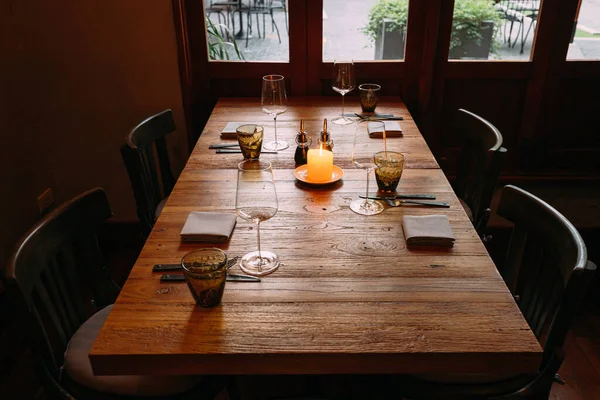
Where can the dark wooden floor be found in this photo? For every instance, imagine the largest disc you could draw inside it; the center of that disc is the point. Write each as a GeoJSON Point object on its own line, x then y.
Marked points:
{"type": "Point", "coordinates": [581, 369]}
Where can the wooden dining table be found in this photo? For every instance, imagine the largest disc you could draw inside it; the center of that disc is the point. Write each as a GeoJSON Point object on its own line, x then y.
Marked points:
{"type": "Point", "coordinates": [349, 296]}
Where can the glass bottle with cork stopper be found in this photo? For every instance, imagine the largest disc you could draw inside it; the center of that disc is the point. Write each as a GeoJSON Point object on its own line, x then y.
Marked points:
{"type": "Point", "coordinates": [320, 160]}
{"type": "Point", "coordinates": [325, 141]}
{"type": "Point", "coordinates": [303, 141]}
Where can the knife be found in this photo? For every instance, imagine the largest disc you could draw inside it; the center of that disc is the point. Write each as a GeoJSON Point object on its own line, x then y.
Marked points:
{"type": "Point", "coordinates": [230, 278]}
{"type": "Point", "coordinates": [398, 203]}
{"type": "Point", "coordinates": [232, 151]}
{"type": "Point", "coordinates": [400, 196]}
{"type": "Point", "coordinates": [368, 115]}
{"type": "Point", "coordinates": [377, 117]}
{"type": "Point", "coordinates": [223, 145]}
{"type": "Point", "coordinates": [177, 267]}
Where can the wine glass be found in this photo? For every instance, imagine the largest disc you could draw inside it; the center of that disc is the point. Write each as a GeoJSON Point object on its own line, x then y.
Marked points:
{"type": "Point", "coordinates": [365, 206]}
{"type": "Point", "coordinates": [343, 82]}
{"type": "Point", "coordinates": [256, 200]}
{"type": "Point", "coordinates": [274, 102]}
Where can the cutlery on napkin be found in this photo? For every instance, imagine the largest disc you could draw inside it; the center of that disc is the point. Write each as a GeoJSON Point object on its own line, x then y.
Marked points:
{"type": "Point", "coordinates": [428, 230]}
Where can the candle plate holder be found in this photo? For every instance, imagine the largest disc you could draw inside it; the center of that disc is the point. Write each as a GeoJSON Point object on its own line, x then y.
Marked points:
{"type": "Point", "coordinates": [301, 173]}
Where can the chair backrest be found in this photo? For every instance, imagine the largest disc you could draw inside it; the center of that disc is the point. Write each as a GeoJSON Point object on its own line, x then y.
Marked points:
{"type": "Point", "coordinates": [479, 164]}
{"type": "Point", "coordinates": [56, 274]}
{"type": "Point", "coordinates": [546, 267]}
{"type": "Point", "coordinates": [138, 153]}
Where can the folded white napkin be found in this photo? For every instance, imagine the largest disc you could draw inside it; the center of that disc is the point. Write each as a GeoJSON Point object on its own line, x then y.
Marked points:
{"type": "Point", "coordinates": [392, 129]}
{"type": "Point", "coordinates": [229, 132]}
{"type": "Point", "coordinates": [428, 230]}
{"type": "Point", "coordinates": [208, 227]}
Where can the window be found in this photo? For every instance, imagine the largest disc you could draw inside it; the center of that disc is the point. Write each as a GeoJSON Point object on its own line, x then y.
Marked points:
{"type": "Point", "coordinates": [252, 30]}
{"type": "Point", "coordinates": [364, 30]}
{"type": "Point", "coordinates": [494, 29]}
{"type": "Point", "coordinates": [585, 42]}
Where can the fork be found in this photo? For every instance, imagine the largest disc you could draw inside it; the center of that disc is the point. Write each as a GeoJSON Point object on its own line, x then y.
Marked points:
{"type": "Point", "coordinates": [232, 261]}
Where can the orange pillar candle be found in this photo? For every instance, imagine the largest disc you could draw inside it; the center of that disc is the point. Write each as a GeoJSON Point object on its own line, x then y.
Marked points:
{"type": "Point", "coordinates": [320, 165]}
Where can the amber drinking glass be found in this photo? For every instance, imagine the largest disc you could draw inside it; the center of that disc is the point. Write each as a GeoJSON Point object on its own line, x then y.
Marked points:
{"type": "Point", "coordinates": [250, 138]}
{"type": "Point", "coordinates": [369, 96]}
{"type": "Point", "coordinates": [390, 165]}
{"type": "Point", "coordinates": [205, 272]}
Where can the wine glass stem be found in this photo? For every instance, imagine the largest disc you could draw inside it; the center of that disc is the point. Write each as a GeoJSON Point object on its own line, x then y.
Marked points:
{"type": "Point", "coordinates": [367, 202]}
{"type": "Point", "coordinates": [275, 126]}
{"type": "Point", "coordinates": [343, 105]}
{"type": "Point", "coordinates": [260, 259]}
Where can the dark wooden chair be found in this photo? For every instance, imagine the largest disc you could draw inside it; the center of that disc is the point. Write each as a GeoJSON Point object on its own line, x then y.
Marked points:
{"type": "Point", "coordinates": [258, 8]}
{"type": "Point", "coordinates": [150, 188]}
{"type": "Point", "coordinates": [478, 166]}
{"type": "Point", "coordinates": [548, 274]}
{"type": "Point", "coordinates": [56, 280]}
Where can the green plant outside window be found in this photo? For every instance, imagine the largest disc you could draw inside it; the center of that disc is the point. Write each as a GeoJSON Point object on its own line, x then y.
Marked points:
{"type": "Point", "coordinates": [469, 16]}
{"type": "Point", "coordinates": [218, 46]}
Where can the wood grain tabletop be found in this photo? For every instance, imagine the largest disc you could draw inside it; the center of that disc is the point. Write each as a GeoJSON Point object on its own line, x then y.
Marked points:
{"type": "Point", "coordinates": [349, 296]}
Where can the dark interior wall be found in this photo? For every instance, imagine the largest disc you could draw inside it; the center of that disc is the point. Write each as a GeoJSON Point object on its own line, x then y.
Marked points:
{"type": "Point", "coordinates": [75, 76]}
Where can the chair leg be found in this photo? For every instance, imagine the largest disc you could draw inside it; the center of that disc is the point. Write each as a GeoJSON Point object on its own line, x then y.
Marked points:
{"type": "Point", "coordinates": [248, 19]}
{"type": "Point", "coordinates": [258, 27]}
{"type": "Point", "coordinates": [520, 30]}
{"type": "Point", "coordinates": [285, 16]}
{"type": "Point", "coordinates": [526, 35]}
{"type": "Point", "coordinates": [276, 28]}
{"type": "Point", "coordinates": [522, 34]}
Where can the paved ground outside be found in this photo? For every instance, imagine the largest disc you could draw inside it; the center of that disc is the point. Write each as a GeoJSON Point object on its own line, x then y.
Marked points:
{"type": "Point", "coordinates": [344, 40]}
{"type": "Point", "coordinates": [589, 16]}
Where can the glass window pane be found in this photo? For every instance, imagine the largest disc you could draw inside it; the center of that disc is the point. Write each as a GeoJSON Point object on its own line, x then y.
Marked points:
{"type": "Point", "coordinates": [251, 30]}
{"type": "Point", "coordinates": [493, 29]}
{"type": "Point", "coordinates": [585, 43]}
{"type": "Point", "coordinates": [364, 29]}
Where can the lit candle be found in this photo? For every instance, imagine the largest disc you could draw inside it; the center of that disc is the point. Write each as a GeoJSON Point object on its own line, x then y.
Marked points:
{"type": "Point", "coordinates": [320, 165]}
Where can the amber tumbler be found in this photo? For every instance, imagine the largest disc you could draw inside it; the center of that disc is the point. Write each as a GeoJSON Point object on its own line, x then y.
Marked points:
{"type": "Point", "coordinates": [250, 138]}
{"type": "Point", "coordinates": [389, 167]}
{"type": "Point", "coordinates": [205, 273]}
{"type": "Point", "coordinates": [369, 96]}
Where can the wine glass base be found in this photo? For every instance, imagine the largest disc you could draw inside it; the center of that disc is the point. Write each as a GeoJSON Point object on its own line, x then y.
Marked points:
{"type": "Point", "coordinates": [276, 146]}
{"type": "Point", "coordinates": [342, 120]}
{"type": "Point", "coordinates": [366, 207]}
{"type": "Point", "coordinates": [253, 264]}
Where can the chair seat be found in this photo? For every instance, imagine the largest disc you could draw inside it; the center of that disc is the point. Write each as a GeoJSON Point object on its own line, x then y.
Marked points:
{"type": "Point", "coordinates": [78, 368]}
{"type": "Point", "coordinates": [467, 209]}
